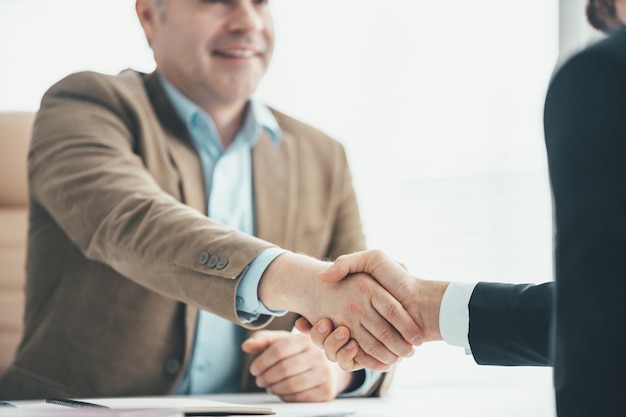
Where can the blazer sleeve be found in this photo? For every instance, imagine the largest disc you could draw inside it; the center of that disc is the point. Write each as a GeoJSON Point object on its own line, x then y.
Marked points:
{"type": "Point", "coordinates": [510, 323]}
{"type": "Point", "coordinates": [85, 171]}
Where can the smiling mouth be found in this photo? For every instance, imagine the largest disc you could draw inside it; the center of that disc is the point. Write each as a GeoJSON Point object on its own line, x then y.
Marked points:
{"type": "Point", "coordinates": [236, 53]}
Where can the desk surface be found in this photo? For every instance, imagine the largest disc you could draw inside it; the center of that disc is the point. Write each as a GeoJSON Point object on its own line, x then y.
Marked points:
{"type": "Point", "coordinates": [480, 400]}
{"type": "Point", "coordinates": [432, 400]}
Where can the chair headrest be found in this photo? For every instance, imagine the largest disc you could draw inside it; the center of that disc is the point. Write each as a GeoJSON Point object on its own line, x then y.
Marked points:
{"type": "Point", "coordinates": [15, 131]}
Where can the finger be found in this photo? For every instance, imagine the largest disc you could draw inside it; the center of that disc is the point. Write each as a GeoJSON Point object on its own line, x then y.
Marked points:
{"type": "Point", "coordinates": [347, 353]}
{"type": "Point", "coordinates": [259, 341]}
{"type": "Point", "coordinates": [285, 369]}
{"type": "Point", "coordinates": [351, 358]}
{"type": "Point", "coordinates": [303, 325]}
{"type": "Point", "coordinates": [335, 341]}
{"type": "Point", "coordinates": [308, 363]}
{"type": "Point", "coordinates": [363, 360]}
{"type": "Point", "coordinates": [374, 333]}
{"type": "Point", "coordinates": [390, 274]}
{"type": "Point", "coordinates": [280, 350]}
{"type": "Point", "coordinates": [371, 344]}
{"type": "Point", "coordinates": [321, 331]}
{"type": "Point", "coordinates": [291, 390]}
{"type": "Point", "coordinates": [398, 332]}
{"type": "Point", "coordinates": [291, 385]}
{"type": "Point", "coordinates": [304, 381]}
{"type": "Point", "coordinates": [345, 265]}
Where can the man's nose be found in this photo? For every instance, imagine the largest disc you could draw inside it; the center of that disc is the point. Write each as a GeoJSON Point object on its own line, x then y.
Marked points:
{"type": "Point", "coordinates": [245, 17]}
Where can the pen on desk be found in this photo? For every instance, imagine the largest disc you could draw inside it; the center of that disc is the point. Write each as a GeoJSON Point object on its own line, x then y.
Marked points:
{"type": "Point", "coordinates": [72, 403]}
{"type": "Point", "coordinates": [5, 404]}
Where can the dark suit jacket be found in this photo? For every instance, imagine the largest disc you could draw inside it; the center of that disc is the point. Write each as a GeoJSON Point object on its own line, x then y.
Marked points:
{"type": "Point", "coordinates": [585, 129]}
{"type": "Point", "coordinates": [585, 132]}
{"type": "Point", "coordinates": [117, 222]}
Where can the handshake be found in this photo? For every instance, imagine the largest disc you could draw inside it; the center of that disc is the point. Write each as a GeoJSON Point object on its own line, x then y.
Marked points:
{"type": "Point", "coordinates": [374, 313]}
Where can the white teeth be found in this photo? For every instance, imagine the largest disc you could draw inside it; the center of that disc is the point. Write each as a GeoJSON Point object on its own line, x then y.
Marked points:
{"type": "Point", "coordinates": [239, 53]}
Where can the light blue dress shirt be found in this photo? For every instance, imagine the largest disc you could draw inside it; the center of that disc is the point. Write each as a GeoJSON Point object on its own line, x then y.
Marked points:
{"type": "Point", "coordinates": [215, 365]}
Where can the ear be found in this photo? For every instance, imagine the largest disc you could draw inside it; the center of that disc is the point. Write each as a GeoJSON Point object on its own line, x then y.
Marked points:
{"type": "Point", "coordinates": [148, 17]}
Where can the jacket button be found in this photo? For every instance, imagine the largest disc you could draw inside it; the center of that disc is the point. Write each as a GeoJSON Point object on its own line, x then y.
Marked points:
{"type": "Point", "coordinates": [213, 261]}
{"type": "Point", "coordinates": [221, 264]}
{"type": "Point", "coordinates": [203, 257]}
{"type": "Point", "coordinates": [171, 366]}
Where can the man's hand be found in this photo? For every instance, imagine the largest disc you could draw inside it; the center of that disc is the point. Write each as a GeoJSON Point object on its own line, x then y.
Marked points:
{"type": "Point", "coordinates": [421, 298]}
{"type": "Point", "coordinates": [382, 327]}
{"type": "Point", "coordinates": [337, 344]}
{"type": "Point", "coordinates": [293, 368]}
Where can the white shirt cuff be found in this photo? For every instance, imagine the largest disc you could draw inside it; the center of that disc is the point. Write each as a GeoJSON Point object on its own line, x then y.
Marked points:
{"type": "Point", "coordinates": [454, 314]}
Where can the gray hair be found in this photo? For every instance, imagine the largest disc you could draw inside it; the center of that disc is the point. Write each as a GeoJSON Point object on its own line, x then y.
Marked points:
{"type": "Point", "coordinates": [160, 5]}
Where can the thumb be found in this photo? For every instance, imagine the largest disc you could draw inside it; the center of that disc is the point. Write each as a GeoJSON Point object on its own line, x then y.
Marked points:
{"type": "Point", "coordinates": [259, 341]}
{"type": "Point", "coordinates": [346, 265]}
{"type": "Point", "coordinates": [303, 325]}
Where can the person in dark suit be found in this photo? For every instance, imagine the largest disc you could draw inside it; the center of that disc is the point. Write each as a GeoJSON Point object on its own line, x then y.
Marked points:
{"type": "Point", "coordinates": [576, 322]}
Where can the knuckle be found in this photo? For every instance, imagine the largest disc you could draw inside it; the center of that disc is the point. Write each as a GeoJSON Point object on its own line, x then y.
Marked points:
{"type": "Point", "coordinates": [326, 392]}
{"type": "Point", "coordinates": [291, 385]}
{"type": "Point", "coordinates": [331, 355]}
{"type": "Point", "coordinates": [373, 349]}
{"type": "Point", "coordinates": [281, 368]}
{"type": "Point", "coordinates": [387, 335]}
{"type": "Point", "coordinates": [346, 366]}
{"type": "Point", "coordinates": [393, 311]}
{"type": "Point", "coordinates": [360, 357]}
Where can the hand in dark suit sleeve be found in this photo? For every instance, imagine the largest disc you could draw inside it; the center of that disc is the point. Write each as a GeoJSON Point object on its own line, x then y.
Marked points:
{"type": "Point", "coordinates": [585, 129]}
{"type": "Point", "coordinates": [510, 324]}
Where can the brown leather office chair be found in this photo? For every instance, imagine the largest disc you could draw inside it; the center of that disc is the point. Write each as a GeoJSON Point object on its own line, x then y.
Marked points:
{"type": "Point", "coordinates": [15, 129]}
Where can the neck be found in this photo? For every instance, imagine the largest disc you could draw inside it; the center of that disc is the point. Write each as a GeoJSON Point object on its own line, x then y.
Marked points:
{"type": "Point", "coordinates": [227, 114]}
{"type": "Point", "coordinates": [228, 121]}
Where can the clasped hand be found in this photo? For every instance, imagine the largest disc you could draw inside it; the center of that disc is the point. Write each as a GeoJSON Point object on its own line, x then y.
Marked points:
{"type": "Point", "coordinates": [420, 299]}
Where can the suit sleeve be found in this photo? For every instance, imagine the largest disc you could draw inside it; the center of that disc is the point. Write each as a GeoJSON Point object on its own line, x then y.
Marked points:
{"type": "Point", "coordinates": [585, 130]}
{"type": "Point", "coordinates": [85, 171]}
{"type": "Point", "coordinates": [510, 324]}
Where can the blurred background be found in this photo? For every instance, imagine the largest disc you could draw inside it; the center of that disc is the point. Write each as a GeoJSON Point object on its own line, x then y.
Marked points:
{"type": "Point", "coordinates": [439, 104]}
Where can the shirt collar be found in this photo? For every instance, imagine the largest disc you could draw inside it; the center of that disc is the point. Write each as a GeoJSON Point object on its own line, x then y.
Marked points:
{"type": "Point", "coordinates": [257, 113]}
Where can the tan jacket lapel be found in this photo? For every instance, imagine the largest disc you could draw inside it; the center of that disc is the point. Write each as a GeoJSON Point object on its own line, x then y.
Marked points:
{"type": "Point", "coordinates": [275, 178]}
{"type": "Point", "coordinates": [186, 162]}
{"type": "Point", "coordinates": [183, 153]}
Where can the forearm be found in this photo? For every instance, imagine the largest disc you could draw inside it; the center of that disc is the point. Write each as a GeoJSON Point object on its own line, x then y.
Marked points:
{"type": "Point", "coordinates": [120, 208]}
{"type": "Point", "coordinates": [291, 282]}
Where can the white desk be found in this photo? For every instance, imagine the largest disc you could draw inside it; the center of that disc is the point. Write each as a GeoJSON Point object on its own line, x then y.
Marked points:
{"type": "Point", "coordinates": [510, 400]}
{"type": "Point", "coordinates": [446, 400]}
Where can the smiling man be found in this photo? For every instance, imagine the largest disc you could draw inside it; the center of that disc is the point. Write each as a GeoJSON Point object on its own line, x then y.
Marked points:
{"type": "Point", "coordinates": [168, 213]}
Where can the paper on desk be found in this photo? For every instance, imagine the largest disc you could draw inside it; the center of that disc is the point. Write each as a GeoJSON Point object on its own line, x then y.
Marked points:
{"type": "Point", "coordinates": [191, 406]}
{"type": "Point", "coordinates": [58, 411]}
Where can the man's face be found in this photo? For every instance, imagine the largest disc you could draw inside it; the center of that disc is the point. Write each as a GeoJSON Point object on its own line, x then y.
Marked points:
{"type": "Point", "coordinates": [214, 51]}
{"type": "Point", "coordinates": [606, 15]}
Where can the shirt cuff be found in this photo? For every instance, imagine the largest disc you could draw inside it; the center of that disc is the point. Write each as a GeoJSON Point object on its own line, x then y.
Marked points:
{"type": "Point", "coordinates": [454, 314]}
{"type": "Point", "coordinates": [249, 307]}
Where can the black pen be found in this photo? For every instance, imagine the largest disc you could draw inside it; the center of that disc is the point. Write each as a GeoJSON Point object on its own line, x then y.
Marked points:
{"type": "Point", "coordinates": [5, 404]}
{"type": "Point", "coordinates": [72, 403]}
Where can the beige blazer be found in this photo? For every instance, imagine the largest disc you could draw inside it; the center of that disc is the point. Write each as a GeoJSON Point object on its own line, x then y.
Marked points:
{"type": "Point", "coordinates": [117, 226]}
